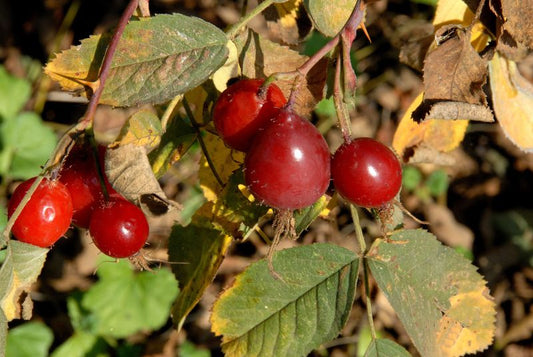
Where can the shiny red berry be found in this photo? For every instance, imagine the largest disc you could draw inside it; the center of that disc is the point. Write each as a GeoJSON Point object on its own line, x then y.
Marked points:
{"type": "Point", "coordinates": [118, 228]}
{"type": "Point", "coordinates": [79, 174]}
{"type": "Point", "coordinates": [366, 172]}
{"type": "Point", "coordinates": [46, 216]}
{"type": "Point", "coordinates": [288, 165]}
{"type": "Point", "coordinates": [243, 108]}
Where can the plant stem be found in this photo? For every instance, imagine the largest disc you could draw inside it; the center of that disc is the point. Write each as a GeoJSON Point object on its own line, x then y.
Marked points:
{"type": "Point", "coordinates": [368, 301]}
{"type": "Point", "coordinates": [234, 29]}
{"type": "Point", "coordinates": [201, 141]}
{"type": "Point", "coordinates": [358, 230]}
{"type": "Point", "coordinates": [342, 116]}
{"type": "Point", "coordinates": [106, 65]}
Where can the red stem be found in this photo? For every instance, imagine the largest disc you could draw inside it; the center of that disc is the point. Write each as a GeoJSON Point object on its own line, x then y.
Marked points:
{"type": "Point", "coordinates": [106, 64]}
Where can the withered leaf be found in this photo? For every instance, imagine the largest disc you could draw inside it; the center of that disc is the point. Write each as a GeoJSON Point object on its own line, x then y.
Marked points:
{"type": "Point", "coordinates": [283, 21]}
{"type": "Point", "coordinates": [260, 58]}
{"type": "Point", "coordinates": [515, 29]}
{"type": "Point", "coordinates": [453, 72]}
{"type": "Point", "coordinates": [129, 172]}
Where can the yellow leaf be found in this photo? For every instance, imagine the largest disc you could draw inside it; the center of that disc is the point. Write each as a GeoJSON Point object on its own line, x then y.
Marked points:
{"type": "Point", "coordinates": [512, 97]}
{"type": "Point", "coordinates": [288, 12]}
{"type": "Point", "coordinates": [441, 135]}
{"type": "Point", "coordinates": [142, 129]}
{"type": "Point", "coordinates": [225, 161]}
{"type": "Point", "coordinates": [229, 70]}
{"type": "Point", "coordinates": [458, 335]}
{"type": "Point", "coordinates": [452, 12]}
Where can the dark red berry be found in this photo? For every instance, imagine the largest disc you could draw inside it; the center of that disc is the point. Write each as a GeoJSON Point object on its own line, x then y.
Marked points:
{"type": "Point", "coordinates": [366, 172]}
{"type": "Point", "coordinates": [79, 174]}
{"type": "Point", "coordinates": [242, 109]}
{"type": "Point", "coordinates": [118, 228]}
{"type": "Point", "coordinates": [288, 166]}
{"type": "Point", "coordinates": [46, 216]}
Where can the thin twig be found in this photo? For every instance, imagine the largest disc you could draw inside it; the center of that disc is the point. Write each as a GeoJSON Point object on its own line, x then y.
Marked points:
{"type": "Point", "coordinates": [201, 141]}
{"type": "Point", "coordinates": [106, 65]}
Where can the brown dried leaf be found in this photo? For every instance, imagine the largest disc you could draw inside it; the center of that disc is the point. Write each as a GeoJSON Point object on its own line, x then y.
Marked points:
{"type": "Point", "coordinates": [260, 58]}
{"type": "Point", "coordinates": [282, 20]}
{"type": "Point", "coordinates": [129, 172]}
{"type": "Point", "coordinates": [515, 29]}
{"type": "Point", "coordinates": [453, 72]}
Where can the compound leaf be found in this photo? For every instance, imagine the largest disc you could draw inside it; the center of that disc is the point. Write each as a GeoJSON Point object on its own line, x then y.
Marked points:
{"type": "Point", "coordinates": [438, 295]}
{"type": "Point", "coordinates": [264, 316]}
{"type": "Point", "coordinates": [123, 302]}
{"type": "Point", "coordinates": [157, 58]}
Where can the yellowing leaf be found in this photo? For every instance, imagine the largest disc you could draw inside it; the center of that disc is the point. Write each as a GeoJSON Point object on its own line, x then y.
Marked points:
{"type": "Point", "coordinates": [229, 70]}
{"type": "Point", "coordinates": [225, 160]}
{"type": "Point", "coordinates": [156, 59]}
{"type": "Point", "coordinates": [288, 12]}
{"type": "Point", "coordinates": [441, 135]}
{"type": "Point", "coordinates": [19, 271]}
{"type": "Point", "coordinates": [142, 129]}
{"type": "Point", "coordinates": [512, 97]}
{"type": "Point", "coordinates": [438, 295]}
{"type": "Point", "coordinates": [452, 12]}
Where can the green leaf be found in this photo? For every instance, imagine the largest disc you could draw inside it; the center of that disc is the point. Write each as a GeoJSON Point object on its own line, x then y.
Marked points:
{"type": "Point", "coordinates": [441, 300]}
{"type": "Point", "coordinates": [411, 178]}
{"type": "Point", "coordinates": [201, 251]}
{"type": "Point", "coordinates": [386, 348]}
{"type": "Point", "coordinates": [31, 339]}
{"type": "Point", "coordinates": [437, 183]}
{"type": "Point", "coordinates": [188, 349]}
{"type": "Point", "coordinates": [306, 216]}
{"type": "Point", "coordinates": [329, 17]}
{"type": "Point", "coordinates": [176, 140]}
{"type": "Point", "coordinates": [157, 58]}
{"type": "Point", "coordinates": [263, 316]}
{"type": "Point", "coordinates": [81, 344]}
{"type": "Point", "coordinates": [14, 93]}
{"type": "Point", "coordinates": [20, 270]}
{"type": "Point", "coordinates": [29, 142]}
{"type": "Point", "coordinates": [124, 303]}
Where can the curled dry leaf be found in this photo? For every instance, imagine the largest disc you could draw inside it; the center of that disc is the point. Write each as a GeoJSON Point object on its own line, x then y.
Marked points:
{"type": "Point", "coordinates": [129, 172]}
{"type": "Point", "coordinates": [515, 30]}
{"type": "Point", "coordinates": [454, 72]}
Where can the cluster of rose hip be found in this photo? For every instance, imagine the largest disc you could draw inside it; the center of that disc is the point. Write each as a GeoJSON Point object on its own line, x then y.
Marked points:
{"type": "Point", "coordinates": [288, 165]}
{"type": "Point", "coordinates": [81, 195]}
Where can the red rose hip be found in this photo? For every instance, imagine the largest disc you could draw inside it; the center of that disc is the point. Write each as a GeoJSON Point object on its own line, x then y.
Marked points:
{"type": "Point", "coordinates": [288, 166]}
{"type": "Point", "coordinates": [46, 216]}
{"type": "Point", "coordinates": [244, 108]}
{"type": "Point", "coordinates": [366, 172]}
{"type": "Point", "coordinates": [80, 175]}
{"type": "Point", "coordinates": [118, 228]}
